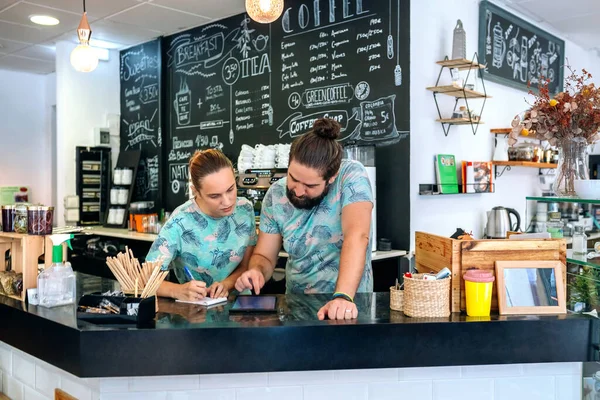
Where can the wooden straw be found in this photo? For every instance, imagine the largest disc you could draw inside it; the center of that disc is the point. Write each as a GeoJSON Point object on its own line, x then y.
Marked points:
{"type": "Point", "coordinates": [136, 286]}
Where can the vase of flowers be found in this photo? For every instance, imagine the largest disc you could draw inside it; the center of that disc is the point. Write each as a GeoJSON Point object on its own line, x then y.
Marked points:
{"type": "Point", "coordinates": [569, 121]}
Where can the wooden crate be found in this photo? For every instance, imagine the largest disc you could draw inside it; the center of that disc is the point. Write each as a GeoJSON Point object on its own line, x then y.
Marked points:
{"type": "Point", "coordinates": [25, 251]}
{"type": "Point", "coordinates": [432, 253]}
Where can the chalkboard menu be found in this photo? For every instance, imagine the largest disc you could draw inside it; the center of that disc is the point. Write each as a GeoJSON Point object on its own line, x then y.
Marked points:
{"type": "Point", "coordinates": [238, 82]}
{"type": "Point", "coordinates": [141, 115]}
{"type": "Point", "coordinates": [516, 52]}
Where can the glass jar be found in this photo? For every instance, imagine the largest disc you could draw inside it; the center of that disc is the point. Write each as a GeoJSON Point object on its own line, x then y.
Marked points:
{"type": "Point", "coordinates": [20, 221]}
{"type": "Point", "coordinates": [8, 215]}
{"type": "Point", "coordinates": [579, 241]}
{"type": "Point", "coordinates": [555, 226]}
{"type": "Point", "coordinates": [513, 153]}
{"type": "Point", "coordinates": [525, 152]}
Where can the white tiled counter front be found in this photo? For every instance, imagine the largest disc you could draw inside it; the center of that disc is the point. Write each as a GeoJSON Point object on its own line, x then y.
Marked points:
{"type": "Point", "coordinates": [28, 378]}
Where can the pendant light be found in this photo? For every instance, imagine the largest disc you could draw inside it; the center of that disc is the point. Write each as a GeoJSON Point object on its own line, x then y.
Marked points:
{"type": "Point", "coordinates": [83, 57]}
{"type": "Point", "coordinates": [264, 11]}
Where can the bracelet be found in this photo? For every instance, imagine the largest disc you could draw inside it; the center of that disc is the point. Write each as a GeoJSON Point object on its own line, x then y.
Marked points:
{"type": "Point", "coordinates": [342, 295]}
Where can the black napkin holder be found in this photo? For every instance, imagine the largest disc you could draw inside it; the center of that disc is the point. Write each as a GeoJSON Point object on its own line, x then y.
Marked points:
{"type": "Point", "coordinates": [145, 315]}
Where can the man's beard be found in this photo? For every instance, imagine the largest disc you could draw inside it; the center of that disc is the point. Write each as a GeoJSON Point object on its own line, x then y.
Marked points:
{"type": "Point", "coordinates": [305, 202]}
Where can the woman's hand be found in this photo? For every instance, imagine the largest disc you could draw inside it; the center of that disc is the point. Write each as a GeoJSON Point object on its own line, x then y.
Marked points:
{"type": "Point", "coordinates": [218, 289]}
{"type": "Point", "coordinates": [190, 291]}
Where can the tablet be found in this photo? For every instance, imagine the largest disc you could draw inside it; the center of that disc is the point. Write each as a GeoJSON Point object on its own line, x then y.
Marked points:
{"type": "Point", "coordinates": [254, 304]}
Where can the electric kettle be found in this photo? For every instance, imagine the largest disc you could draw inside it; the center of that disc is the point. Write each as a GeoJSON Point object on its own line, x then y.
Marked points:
{"type": "Point", "coordinates": [499, 222]}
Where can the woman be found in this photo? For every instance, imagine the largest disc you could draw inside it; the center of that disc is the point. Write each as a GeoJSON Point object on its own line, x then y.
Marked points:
{"type": "Point", "coordinates": [212, 235]}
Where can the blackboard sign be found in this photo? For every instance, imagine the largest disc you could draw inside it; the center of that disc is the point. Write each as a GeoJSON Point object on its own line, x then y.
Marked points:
{"type": "Point", "coordinates": [516, 52]}
{"type": "Point", "coordinates": [141, 115]}
{"type": "Point", "coordinates": [238, 82]}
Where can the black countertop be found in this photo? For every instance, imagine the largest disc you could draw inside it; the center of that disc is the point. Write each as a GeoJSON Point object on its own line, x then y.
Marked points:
{"type": "Point", "coordinates": [188, 339]}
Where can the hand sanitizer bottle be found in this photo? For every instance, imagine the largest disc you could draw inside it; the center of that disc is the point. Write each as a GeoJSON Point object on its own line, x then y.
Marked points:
{"type": "Point", "coordinates": [56, 285]}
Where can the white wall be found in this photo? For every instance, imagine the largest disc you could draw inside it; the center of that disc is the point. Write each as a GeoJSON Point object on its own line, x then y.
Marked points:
{"type": "Point", "coordinates": [432, 23]}
{"type": "Point", "coordinates": [26, 377]}
{"type": "Point", "coordinates": [24, 142]}
{"type": "Point", "coordinates": [83, 101]}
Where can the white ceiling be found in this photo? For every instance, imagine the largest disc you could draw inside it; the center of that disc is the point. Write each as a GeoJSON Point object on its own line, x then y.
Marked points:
{"type": "Point", "coordinates": [25, 46]}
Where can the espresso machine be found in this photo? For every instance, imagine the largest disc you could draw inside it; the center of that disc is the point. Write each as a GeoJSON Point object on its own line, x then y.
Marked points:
{"type": "Point", "coordinates": [254, 183]}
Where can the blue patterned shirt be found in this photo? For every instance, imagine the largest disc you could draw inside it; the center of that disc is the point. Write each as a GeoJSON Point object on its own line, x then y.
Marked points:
{"type": "Point", "coordinates": [211, 248]}
{"type": "Point", "coordinates": [313, 238]}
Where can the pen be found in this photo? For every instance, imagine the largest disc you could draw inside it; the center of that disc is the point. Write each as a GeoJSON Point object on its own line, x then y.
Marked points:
{"type": "Point", "coordinates": [188, 273]}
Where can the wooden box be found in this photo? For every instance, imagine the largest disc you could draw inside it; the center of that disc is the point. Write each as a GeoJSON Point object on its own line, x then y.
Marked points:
{"type": "Point", "coordinates": [433, 253]}
{"type": "Point", "coordinates": [25, 251]}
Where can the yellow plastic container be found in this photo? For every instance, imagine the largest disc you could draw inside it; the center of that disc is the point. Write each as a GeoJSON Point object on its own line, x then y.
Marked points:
{"type": "Point", "coordinates": [479, 298]}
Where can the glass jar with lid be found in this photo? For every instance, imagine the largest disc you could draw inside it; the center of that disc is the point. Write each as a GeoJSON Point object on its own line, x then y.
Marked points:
{"type": "Point", "coordinates": [20, 220]}
{"type": "Point", "coordinates": [525, 152]}
{"type": "Point", "coordinates": [579, 245]}
{"type": "Point", "coordinates": [555, 226]}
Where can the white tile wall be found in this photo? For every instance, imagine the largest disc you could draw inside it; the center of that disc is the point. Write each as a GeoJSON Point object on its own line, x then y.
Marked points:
{"type": "Point", "coordinates": [368, 375]}
{"type": "Point", "coordinates": [568, 387]}
{"type": "Point", "coordinates": [463, 389]}
{"type": "Point", "coordinates": [410, 390]}
{"type": "Point", "coordinates": [270, 393]}
{"type": "Point", "coordinates": [164, 383]}
{"type": "Point", "coordinates": [76, 388]}
{"type": "Point", "coordinates": [31, 394]}
{"type": "Point", "coordinates": [24, 369]}
{"type": "Point", "coordinates": [429, 373]}
{"type": "Point", "coordinates": [216, 394]}
{"type": "Point", "coordinates": [299, 378]}
{"type": "Point", "coordinates": [6, 360]}
{"type": "Point", "coordinates": [46, 381]}
{"type": "Point", "coordinates": [12, 387]}
{"type": "Point", "coordinates": [23, 377]}
{"type": "Point", "coordinates": [232, 381]}
{"type": "Point", "coordinates": [525, 388]}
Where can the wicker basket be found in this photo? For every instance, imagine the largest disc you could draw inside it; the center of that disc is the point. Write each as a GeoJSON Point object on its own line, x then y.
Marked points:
{"type": "Point", "coordinates": [426, 298]}
{"type": "Point", "coordinates": [396, 298]}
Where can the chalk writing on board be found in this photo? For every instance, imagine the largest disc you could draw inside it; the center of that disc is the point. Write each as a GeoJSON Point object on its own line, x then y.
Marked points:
{"type": "Point", "coordinates": [298, 124]}
{"type": "Point", "coordinates": [141, 131]}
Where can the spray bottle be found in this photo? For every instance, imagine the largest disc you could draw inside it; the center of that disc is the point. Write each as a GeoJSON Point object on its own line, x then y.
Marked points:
{"type": "Point", "coordinates": [56, 285]}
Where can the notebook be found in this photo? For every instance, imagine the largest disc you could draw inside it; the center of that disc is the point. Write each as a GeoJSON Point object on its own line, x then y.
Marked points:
{"type": "Point", "coordinates": [445, 172]}
{"type": "Point", "coordinates": [207, 301]}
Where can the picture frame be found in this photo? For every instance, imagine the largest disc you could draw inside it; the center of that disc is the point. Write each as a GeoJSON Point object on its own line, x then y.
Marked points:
{"type": "Point", "coordinates": [531, 287]}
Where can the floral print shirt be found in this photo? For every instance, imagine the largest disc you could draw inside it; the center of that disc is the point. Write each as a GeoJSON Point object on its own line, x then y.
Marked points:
{"type": "Point", "coordinates": [313, 238]}
{"type": "Point", "coordinates": [211, 248]}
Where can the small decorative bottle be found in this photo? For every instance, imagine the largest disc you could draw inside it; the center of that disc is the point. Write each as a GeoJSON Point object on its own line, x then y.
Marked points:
{"type": "Point", "coordinates": [579, 241]}
{"type": "Point", "coordinates": [555, 227]}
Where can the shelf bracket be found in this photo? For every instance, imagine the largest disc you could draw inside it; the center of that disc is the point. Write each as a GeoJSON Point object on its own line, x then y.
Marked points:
{"type": "Point", "coordinates": [499, 174]}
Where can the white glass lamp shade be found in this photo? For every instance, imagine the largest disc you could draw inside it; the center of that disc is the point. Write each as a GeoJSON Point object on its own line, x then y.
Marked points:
{"type": "Point", "coordinates": [84, 58]}
{"type": "Point", "coordinates": [264, 11]}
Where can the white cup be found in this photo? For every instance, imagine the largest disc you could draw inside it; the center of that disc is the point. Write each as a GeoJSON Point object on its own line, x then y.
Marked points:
{"type": "Point", "coordinates": [122, 196]}
{"type": "Point", "coordinates": [118, 176]}
{"type": "Point", "coordinates": [120, 215]}
{"type": "Point", "coordinates": [541, 217]}
{"type": "Point", "coordinates": [114, 196]}
{"type": "Point", "coordinates": [127, 176]}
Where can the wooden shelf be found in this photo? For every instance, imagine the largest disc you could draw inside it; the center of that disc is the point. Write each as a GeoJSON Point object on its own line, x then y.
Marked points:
{"type": "Point", "coordinates": [459, 121]}
{"type": "Point", "coordinates": [461, 64]}
{"type": "Point", "coordinates": [500, 131]}
{"type": "Point", "coordinates": [458, 92]}
{"type": "Point", "coordinates": [529, 164]}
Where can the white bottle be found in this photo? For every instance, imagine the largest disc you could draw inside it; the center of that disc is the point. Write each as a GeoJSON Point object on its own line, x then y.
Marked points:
{"type": "Point", "coordinates": [56, 285]}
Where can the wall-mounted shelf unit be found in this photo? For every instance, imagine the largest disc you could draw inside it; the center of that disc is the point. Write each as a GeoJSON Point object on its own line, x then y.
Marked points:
{"type": "Point", "coordinates": [459, 121]}
{"type": "Point", "coordinates": [459, 92]}
{"type": "Point", "coordinates": [434, 189]}
{"type": "Point", "coordinates": [509, 164]}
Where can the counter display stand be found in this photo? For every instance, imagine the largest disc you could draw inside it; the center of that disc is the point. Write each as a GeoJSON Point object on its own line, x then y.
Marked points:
{"type": "Point", "coordinates": [25, 251]}
{"type": "Point", "coordinates": [583, 274]}
{"type": "Point", "coordinates": [129, 160]}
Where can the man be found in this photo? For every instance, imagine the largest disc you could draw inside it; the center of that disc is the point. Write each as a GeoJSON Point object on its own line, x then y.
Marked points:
{"type": "Point", "coordinates": [321, 212]}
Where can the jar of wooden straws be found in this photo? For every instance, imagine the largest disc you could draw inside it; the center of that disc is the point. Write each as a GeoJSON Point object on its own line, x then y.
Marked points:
{"type": "Point", "coordinates": [135, 279]}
